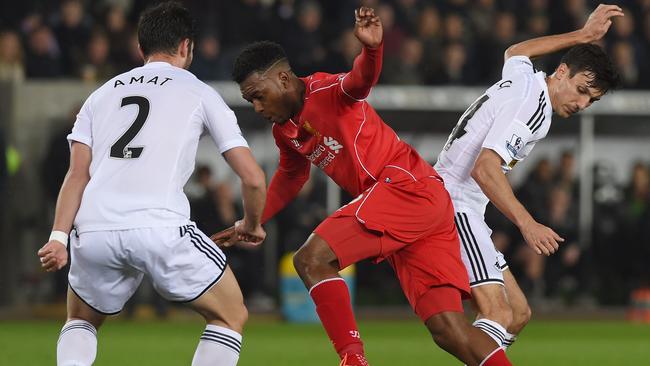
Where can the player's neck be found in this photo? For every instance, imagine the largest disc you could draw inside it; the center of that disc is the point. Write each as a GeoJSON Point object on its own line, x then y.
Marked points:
{"type": "Point", "coordinates": [550, 84]}
{"type": "Point", "coordinates": [173, 60]}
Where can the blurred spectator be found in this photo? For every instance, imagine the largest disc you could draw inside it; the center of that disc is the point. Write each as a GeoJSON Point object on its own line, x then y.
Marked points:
{"type": "Point", "coordinates": [565, 176]}
{"type": "Point", "coordinates": [118, 32]}
{"type": "Point", "coordinates": [405, 69]}
{"type": "Point", "coordinates": [346, 50]}
{"type": "Point", "coordinates": [623, 56]}
{"type": "Point", "coordinates": [430, 33]}
{"type": "Point", "coordinates": [208, 63]}
{"type": "Point", "coordinates": [533, 193]}
{"type": "Point", "coordinates": [393, 34]}
{"type": "Point", "coordinates": [455, 68]}
{"type": "Point", "coordinates": [97, 66]}
{"type": "Point", "coordinates": [473, 32]}
{"type": "Point", "coordinates": [212, 204]}
{"type": "Point", "coordinates": [305, 51]}
{"type": "Point", "coordinates": [42, 55]}
{"type": "Point", "coordinates": [502, 37]}
{"type": "Point", "coordinates": [72, 29]}
{"type": "Point", "coordinates": [11, 57]}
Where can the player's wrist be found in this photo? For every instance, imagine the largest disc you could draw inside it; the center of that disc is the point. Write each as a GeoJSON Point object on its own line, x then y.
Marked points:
{"type": "Point", "coordinates": [59, 236]}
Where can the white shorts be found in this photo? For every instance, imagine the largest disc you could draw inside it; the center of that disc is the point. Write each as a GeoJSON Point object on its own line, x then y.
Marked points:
{"type": "Point", "coordinates": [484, 263]}
{"type": "Point", "coordinates": [107, 266]}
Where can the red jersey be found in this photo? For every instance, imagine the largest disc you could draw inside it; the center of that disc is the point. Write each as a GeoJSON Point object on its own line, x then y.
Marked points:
{"type": "Point", "coordinates": [338, 131]}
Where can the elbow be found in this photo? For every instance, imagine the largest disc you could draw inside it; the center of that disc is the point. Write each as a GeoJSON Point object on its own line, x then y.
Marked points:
{"type": "Point", "coordinates": [479, 173]}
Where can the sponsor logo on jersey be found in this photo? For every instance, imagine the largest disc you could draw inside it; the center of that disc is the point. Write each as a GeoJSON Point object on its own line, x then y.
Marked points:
{"type": "Point", "coordinates": [514, 145]}
{"type": "Point", "coordinates": [332, 144]}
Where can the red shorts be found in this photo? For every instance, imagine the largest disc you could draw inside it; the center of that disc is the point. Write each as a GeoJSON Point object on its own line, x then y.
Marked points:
{"type": "Point", "coordinates": [411, 224]}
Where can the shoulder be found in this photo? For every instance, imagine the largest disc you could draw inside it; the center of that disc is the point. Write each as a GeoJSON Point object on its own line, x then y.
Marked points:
{"type": "Point", "coordinates": [322, 80]}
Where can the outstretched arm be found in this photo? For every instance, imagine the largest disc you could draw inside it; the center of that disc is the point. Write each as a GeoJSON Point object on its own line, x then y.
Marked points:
{"type": "Point", "coordinates": [596, 27]}
{"type": "Point", "coordinates": [489, 176]}
{"type": "Point", "coordinates": [367, 66]}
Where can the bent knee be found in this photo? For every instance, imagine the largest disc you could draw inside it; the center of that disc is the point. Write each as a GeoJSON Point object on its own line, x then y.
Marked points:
{"type": "Point", "coordinates": [521, 317]}
{"type": "Point", "coordinates": [448, 329]}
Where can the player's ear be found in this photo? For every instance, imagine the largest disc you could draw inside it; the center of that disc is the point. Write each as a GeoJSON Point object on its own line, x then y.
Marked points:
{"type": "Point", "coordinates": [283, 76]}
{"type": "Point", "coordinates": [562, 71]}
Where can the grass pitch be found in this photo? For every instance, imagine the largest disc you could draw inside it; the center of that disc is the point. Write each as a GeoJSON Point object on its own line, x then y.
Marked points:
{"type": "Point", "coordinates": [279, 344]}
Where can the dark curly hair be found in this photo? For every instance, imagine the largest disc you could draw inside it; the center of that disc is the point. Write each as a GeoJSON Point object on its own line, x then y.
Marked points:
{"type": "Point", "coordinates": [258, 56]}
{"type": "Point", "coordinates": [592, 59]}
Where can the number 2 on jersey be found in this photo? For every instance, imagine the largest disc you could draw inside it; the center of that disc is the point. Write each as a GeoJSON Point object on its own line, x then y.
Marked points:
{"type": "Point", "coordinates": [120, 149]}
{"type": "Point", "coordinates": [459, 130]}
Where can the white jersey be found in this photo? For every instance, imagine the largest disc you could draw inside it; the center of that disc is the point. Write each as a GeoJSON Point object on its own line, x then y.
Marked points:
{"type": "Point", "coordinates": [143, 127]}
{"type": "Point", "coordinates": [509, 119]}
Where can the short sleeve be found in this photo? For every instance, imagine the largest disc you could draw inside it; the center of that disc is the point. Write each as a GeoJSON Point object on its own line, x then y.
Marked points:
{"type": "Point", "coordinates": [517, 65]}
{"type": "Point", "coordinates": [82, 129]}
{"type": "Point", "coordinates": [221, 123]}
{"type": "Point", "coordinates": [509, 135]}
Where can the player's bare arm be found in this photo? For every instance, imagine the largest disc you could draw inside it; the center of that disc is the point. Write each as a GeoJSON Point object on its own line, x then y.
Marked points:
{"type": "Point", "coordinates": [54, 254]}
{"type": "Point", "coordinates": [253, 187]}
{"type": "Point", "coordinates": [488, 174]}
{"type": "Point", "coordinates": [594, 29]}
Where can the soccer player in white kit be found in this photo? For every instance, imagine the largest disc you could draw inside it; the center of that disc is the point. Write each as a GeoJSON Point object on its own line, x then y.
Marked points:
{"type": "Point", "coordinates": [133, 148]}
{"type": "Point", "coordinates": [500, 129]}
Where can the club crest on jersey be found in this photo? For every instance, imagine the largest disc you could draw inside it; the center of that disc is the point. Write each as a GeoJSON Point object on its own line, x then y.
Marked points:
{"type": "Point", "coordinates": [514, 145]}
{"type": "Point", "coordinates": [310, 129]}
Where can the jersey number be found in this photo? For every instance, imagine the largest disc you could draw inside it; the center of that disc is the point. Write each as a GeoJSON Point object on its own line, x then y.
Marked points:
{"type": "Point", "coordinates": [120, 149]}
{"type": "Point", "coordinates": [459, 131]}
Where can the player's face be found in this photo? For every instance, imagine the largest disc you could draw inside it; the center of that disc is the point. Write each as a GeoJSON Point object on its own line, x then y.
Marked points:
{"type": "Point", "coordinates": [269, 95]}
{"type": "Point", "coordinates": [573, 94]}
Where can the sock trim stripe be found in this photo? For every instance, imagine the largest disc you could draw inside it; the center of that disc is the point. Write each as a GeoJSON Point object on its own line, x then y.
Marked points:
{"type": "Point", "coordinates": [323, 281]}
{"type": "Point", "coordinates": [87, 327]}
{"type": "Point", "coordinates": [492, 332]}
{"type": "Point", "coordinates": [222, 342]}
{"type": "Point", "coordinates": [227, 336]}
{"type": "Point", "coordinates": [224, 338]}
{"type": "Point", "coordinates": [490, 355]}
{"type": "Point", "coordinates": [501, 333]}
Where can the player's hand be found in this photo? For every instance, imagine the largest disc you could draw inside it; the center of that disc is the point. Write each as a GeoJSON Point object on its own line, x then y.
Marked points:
{"type": "Point", "coordinates": [224, 238]}
{"type": "Point", "coordinates": [249, 234]}
{"type": "Point", "coordinates": [600, 20]}
{"type": "Point", "coordinates": [240, 233]}
{"type": "Point", "coordinates": [367, 27]}
{"type": "Point", "coordinates": [542, 239]}
{"type": "Point", "coordinates": [53, 255]}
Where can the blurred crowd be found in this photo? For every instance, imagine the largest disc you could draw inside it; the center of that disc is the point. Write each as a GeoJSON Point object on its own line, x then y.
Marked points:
{"type": "Point", "coordinates": [427, 42]}
{"type": "Point", "coordinates": [602, 270]}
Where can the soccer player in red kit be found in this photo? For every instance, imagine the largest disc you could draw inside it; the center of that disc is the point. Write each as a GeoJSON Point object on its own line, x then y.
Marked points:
{"type": "Point", "coordinates": [402, 212]}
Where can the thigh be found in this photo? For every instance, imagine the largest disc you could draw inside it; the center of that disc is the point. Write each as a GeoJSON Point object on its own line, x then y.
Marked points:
{"type": "Point", "coordinates": [223, 303]}
{"type": "Point", "coordinates": [432, 274]}
{"type": "Point", "coordinates": [99, 273]}
{"type": "Point", "coordinates": [489, 299]}
{"type": "Point", "coordinates": [350, 241]}
{"type": "Point", "coordinates": [183, 262]}
{"type": "Point", "coordinates": [77, 309]}
{"type": "Point", "coordinates": [484, 263]}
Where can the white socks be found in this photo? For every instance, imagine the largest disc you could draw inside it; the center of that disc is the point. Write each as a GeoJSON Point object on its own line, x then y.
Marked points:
{"type": "Point", "coordinates": [218, 346]}
{"type": "Point", "coordinates": [77, 345]}
{"type": "Point", "coordinates": [494, 330]}
{"type": "Point", "coordinates": [510, 339]}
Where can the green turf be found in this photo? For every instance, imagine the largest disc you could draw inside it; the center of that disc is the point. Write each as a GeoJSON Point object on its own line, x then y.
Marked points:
{"type": "Point", "coordinates": [388, 343]}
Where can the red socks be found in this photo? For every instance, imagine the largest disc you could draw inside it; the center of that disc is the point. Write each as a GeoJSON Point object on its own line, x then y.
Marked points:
{"type": "Point", "coordinates": [334, 309]}
{"type": "Point", "coordinates": [496, 358]}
